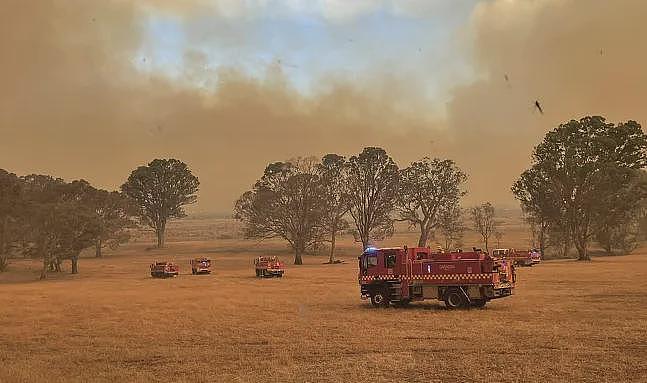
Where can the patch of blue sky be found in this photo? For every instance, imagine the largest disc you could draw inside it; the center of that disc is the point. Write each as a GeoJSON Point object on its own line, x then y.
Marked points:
{"type": "Point", "coordinates": [308, 48]}
{"type": "Point", "coordinates": [163, 46]}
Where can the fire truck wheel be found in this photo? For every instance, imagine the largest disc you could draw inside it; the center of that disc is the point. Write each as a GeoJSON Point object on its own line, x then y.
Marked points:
{"type": "Point", "coordinates": [379, 299]}
{"type": "Point", "coordinates": [478, 303]}
{"type": "Point", "coordinates": [455, 299]}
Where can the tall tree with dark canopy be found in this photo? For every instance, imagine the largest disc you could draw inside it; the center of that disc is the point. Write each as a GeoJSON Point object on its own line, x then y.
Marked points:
{"type": "Point", "coordinates": [10, 204]}
{"type": "Point", "coordinates": [429, 188]}
{"type": "Point", "coordinates": [59, 218]}
{"type": "Point", "coordinates": [373, 188]}
{"type": "Point", "coordinates": [618, 227]}
{"type": "Point", "coordinates": [586, 164]}
{"type": "Point", "coordinates": [484, 223]}
{"type": "Point", "coordinates": [333, 175]}
{"type": "Point", "coordinates": [115, 214]}
{"type": "Point", "coordinates": [538, 202]}
{"type": "Point", "coordinates": [77, 226]}
{"type": "Point", "coordinates": [288, 203]}
{"type": "Point", "coordinates": [161, 190]}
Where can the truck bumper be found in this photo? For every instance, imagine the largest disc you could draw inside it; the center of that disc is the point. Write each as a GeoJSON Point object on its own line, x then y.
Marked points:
{"type": "Point", "coordinates": [502, 292]}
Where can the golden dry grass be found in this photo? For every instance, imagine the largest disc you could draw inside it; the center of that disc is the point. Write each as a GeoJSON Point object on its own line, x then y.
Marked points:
{"type": "Point", "coordinates": [568, 322]}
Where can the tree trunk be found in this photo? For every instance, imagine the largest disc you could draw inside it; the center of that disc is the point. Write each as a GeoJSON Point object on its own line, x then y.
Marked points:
{"type": "Point", "coordinates": [365, 240]}
{"type": "Point", "coordinates": [3, 234]}
{"type": "Point", "coordinates": [485, 239]}
{"type": "Point", "coordinates": [424, 235]}
{"type": "Point", "coordinates": [297, 256]}
{"type": "Point", "coordinates": [4, 247]}
{"type": "Point", "coordinates": [160, 237]}
{"type": "Point", "coordinates": [43, 273]}
{"type": "Point", "coordinates": [75, 264]}
{"type": "Point", "coordinates": [582, 251]}
{"type": "Point", "coordinates": [333, 234]}
{"type": "Point", "coordinates": [97, 248]}
{"type": "Point", "coordinates": [542, 234]}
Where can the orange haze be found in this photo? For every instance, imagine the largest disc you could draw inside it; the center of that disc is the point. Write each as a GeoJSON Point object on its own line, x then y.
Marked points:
{"type": "Point", "coordinates": [72, 103]}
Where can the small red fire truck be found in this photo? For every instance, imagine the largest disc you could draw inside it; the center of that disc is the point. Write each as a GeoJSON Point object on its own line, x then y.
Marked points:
{"type": "Point", "coordinates": [200, 265]}
{"type": "Point", "coordinates": [519, 258]}
{"type": "Point", "coordinates": [268, 267]}
{"type": "Point", "coordinates": [460, 279]}
{"type": "Point", "coordinates": [164, 269]}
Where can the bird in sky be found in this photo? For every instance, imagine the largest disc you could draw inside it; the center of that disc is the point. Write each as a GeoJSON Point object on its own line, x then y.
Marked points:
{"type": "Point", "coordinates": [538, 106]}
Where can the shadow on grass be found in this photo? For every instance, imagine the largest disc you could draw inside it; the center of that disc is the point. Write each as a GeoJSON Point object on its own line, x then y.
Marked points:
{"type": "Point", "coordinates": [435, 307]}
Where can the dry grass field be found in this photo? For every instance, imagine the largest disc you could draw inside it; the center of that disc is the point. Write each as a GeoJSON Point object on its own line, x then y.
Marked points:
{"type": "Point", "coordinates": [567, 322]}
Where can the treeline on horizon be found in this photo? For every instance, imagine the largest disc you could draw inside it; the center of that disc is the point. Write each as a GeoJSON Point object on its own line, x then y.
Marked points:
{"type": "Point", "coordinates": [50, 219]}
{"type": "Point", "coordinates": [586, 183]}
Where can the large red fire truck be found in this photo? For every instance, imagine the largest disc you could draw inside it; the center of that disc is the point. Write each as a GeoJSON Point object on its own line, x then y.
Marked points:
{"type": "Point", "coordinates": [460, 279]}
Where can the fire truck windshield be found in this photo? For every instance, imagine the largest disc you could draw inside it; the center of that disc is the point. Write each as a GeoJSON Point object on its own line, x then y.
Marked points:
{"type": "Point", "coordinates": [368, 260]}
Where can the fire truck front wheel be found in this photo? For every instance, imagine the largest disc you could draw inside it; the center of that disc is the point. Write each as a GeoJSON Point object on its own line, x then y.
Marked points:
{"type": "Point", "coordinates": [455, 299]}
{"type": "Point", "coordinates": [379, 298]}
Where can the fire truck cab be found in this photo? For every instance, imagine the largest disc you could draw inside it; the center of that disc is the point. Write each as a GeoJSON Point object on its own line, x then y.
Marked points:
{"type": "Point", "coordinates": [461, 279]}
{"type": "Point", "coordinates": [200, 265]}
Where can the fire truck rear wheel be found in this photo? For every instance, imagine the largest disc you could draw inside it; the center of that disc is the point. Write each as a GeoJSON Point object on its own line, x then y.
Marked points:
{"type": "Point", "coordinates": [379, 299]}
{"type": "Point", "coordinates": [455, 299]}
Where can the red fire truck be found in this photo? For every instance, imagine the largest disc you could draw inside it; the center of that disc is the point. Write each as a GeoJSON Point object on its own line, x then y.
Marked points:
{"type": "Point", "coordinates": [461, 279]}
{"type": "Point", "coordinates": [200, 265]}
{"type": "Point", "coordinates": [519, 258]}
{"type": "Point", "coordinates": [164, 269]}
{"type": "Point", "coordinates": [268, 267]}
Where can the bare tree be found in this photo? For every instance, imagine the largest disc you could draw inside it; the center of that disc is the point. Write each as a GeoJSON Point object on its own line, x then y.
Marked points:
{"type": "Point", "coordinates": [288, 202]}
{"type": "Point", "coordinates": [499, 236]}
{"type": "Point", "coordinates": [451, 228]}
{"type": "Point", "coordinates": [333, 176]}
{"type": "Point", "coordinates": [161, 190]}
{"type": "Point", "coordinates": [429, 188]}
{"type": "Point", "coordinates": [484, 223]}
{"type": "Point", "coordinates": [373, 188]}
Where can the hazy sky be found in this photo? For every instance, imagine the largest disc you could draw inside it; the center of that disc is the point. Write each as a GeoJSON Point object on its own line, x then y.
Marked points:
{"type": "Point", "coordinates": [92, 89]}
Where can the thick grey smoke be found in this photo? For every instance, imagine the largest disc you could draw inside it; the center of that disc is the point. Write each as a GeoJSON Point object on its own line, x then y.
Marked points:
{"type": "Point", "coordinates": [73, 104]}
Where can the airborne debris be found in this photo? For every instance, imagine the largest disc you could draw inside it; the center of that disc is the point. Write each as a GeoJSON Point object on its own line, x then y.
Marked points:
{"type": "Point", "coordinates": [538, 106]}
